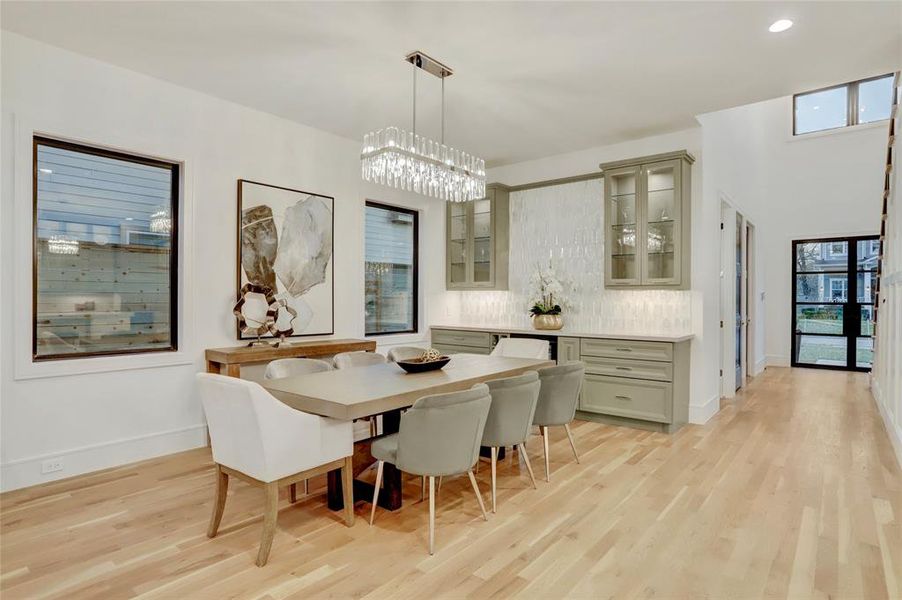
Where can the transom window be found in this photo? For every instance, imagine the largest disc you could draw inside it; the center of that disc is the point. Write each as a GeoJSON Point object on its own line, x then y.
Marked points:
{"type": "Point", "coordinates": [391, 269]}
{"type": "Point", "coordinates": [854, 103]}
{"type": "Point", "coordinates": [105, 252]}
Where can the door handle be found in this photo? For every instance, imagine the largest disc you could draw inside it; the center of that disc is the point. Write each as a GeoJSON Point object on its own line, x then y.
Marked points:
{"type": "Point", "coordinates": [624, 368]}
{"type": "Point", "coordinates": [623, 397]}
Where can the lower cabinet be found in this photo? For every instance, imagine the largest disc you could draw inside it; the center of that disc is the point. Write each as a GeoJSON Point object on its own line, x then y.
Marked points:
{"type": "Point", "coordinates": [449, 349]}
{"type": "Point", "coordinates": [642, 384]}
{"type": "Point", "coordinates": [628, 382]}
{"type": "Point", "coordinates": [633, 398]}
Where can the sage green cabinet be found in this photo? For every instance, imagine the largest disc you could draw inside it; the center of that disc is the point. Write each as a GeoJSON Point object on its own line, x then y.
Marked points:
{"type": "Point", "coordinates": [647, 221]}
{"type": "Point", "coordinates": [567, 350]}
{"type": "Point", "coordinates": [477, 241]}
{"type": "Point", "coordinates": [637, 383]}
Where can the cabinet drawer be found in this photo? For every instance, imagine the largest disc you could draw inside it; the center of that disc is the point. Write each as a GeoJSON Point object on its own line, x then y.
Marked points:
{"type": "Point", "coordinates": [462, 338]}
{"type": "Point", "coordinates": [450, 349]}
{"type": "Point", "coordinates": [660, 351]}
{"type": "Point", "coordinates": [637, 369]}
{"type": "Point", "coordinates": [645, 400]}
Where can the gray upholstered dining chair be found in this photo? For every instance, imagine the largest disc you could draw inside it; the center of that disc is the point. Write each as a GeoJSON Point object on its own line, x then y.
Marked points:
{"type": "Point", "coordinates": [348, 360]}
{"type": "Point", "coordinates": [438, 435]}
{"type": "Point", "coordinates": [558, 398]}
{"type": "Point", "coordinates": [405, 353]}
{"type": "Point", "coordinates": [290, 367]}
{"type": "Point", "coordinates": [510, 419]}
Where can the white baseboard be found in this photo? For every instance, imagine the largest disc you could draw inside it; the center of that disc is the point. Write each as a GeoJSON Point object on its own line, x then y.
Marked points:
{"type": "Point", "coordinates": [25, 472]}
{"type": "Point", "coordinates": [892, 430]}
{"type": "Point", "coordinates": [702, 414]}
{"type": "Point", "coordinates": [777, 360]}
{"type": "Point", "coordinates": [758, 367]}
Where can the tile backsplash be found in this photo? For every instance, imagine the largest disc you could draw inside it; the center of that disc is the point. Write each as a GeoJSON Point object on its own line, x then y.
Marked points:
{"type": "Point", "coordinates": [563, 224]}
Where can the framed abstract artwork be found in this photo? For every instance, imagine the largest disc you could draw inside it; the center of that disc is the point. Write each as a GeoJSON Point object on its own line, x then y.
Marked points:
{"type": "Point", "coordinates": [285, 244]}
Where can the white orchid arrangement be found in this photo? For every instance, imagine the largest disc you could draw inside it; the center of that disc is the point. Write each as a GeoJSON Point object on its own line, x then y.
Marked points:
{"type": "Point", "coordinates": [547, 289]}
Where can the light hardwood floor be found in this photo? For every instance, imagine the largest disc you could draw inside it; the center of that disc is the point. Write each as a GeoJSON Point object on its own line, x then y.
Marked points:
{"type": "Point", "coordinates": [792, 490]}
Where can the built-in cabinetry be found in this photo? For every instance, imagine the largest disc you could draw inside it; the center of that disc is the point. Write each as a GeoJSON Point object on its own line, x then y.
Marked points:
{"type": "Point", "coordinates": [476, 253]}
{"type": "Point", "coordinates": [647, 221]}
{"type": "Point", "coordinates": [641, 383]}
{"type": "Point", "coordinates": [636, 382]}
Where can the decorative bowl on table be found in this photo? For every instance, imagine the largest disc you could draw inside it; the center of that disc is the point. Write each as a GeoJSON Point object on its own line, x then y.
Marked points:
{"type": "Point", "coordinates": [431, 360]}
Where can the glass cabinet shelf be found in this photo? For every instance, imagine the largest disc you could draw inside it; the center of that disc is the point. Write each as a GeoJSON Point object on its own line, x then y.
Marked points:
{"type": "Point", "coordinates": [647, 202]}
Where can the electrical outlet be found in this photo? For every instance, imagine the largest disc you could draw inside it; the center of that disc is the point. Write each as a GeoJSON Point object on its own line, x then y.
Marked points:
{"type": "Point", "coordinates": [52, 465]}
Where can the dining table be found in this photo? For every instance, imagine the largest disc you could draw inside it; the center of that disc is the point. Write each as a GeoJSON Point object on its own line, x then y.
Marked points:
{"type": "Point", "coordinates": [385, 390]}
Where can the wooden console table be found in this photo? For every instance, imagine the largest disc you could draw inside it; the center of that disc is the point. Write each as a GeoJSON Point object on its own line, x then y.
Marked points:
{"type": "Point", "coordinates": [228, 361]}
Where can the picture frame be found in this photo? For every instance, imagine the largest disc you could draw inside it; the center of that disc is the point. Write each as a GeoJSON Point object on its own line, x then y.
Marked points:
{"type": "Point", "coordinates": [285, 241]}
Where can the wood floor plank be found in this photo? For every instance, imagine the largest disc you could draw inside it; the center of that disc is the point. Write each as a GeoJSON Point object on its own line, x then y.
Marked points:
{"type": "Point", "coordinates": [792, 490]}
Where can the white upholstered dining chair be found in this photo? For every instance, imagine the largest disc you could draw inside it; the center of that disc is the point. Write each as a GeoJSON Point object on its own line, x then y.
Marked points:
{"type": "Point", "coordinates": [521, 348]}
{"type": "Point", "coordinates": [266, 443]}
{"type": "Point", "coordinates": [290, 367]}
{"type": "Point", "coordinates": [349, 360]}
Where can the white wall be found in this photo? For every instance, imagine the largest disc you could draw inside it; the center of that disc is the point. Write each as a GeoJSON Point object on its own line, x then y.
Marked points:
{"type": "Point", "coordinates": [142, 406]}
{"type": "Point", "coordinates": [704, 396]}
{"type": "Point", "coordinates": [886, 378]}
{"type": "Point", "coordinates": [818, 185]}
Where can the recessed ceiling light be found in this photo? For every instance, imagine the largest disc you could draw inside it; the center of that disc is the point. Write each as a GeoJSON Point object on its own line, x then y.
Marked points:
{"type": "Point", "coordinates": [781, 25]}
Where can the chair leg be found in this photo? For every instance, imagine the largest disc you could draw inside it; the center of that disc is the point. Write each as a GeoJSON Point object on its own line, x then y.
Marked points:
{"type": "Point", "coordinates": [293, 493]}
{"type": "Point", "coordinates": [270, 514]}
{"type": "Point", "coordinates": [423, 489]}
{"type": "Point", "coordinates": [347, 490]}
{"type": "Point", "coordinates": [494, 453]}
{"type": "Point", "coordinates": [431, 515]}
{"type": "Point", "coordinates": [222, 487]}
{"type": "Point", "coordinates": [379, 466]}
{"type": "Point", "coordinates": [478, 495]}
{"type": "Point", "coordinates": [572, 443]}
{"type": "Point", "coordinates": [374, 427]}
{"type": "Point", "coordinates": [306, 488]}
{"type": "Point", "coordinates": [525, 456]}
{"type": "Point", "coordinates": [547, 458]}
{"type": "Point", "coordinates": [438, 487]}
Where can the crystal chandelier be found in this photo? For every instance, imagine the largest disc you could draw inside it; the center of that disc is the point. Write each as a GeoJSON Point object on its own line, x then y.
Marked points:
{"type": "Point", "coordinates": [161, 221]}
{"type": "Point", "coordinates": [405, 160]}
{"type": "Point", "coordinates": [62, 244]}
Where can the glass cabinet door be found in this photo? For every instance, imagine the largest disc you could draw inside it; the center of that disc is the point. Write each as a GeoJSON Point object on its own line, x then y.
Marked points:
{"type": "Point", "coordinates": [622, 228]}
{"type": "Point", "coordinates": [482, 241]}
{"type": "Point", "coordinates": [661, 218]}
{"type": "Point", "coordinates": [458, 233]}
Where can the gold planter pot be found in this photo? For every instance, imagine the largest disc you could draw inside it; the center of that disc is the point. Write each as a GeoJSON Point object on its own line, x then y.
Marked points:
{"type": "Point", "coordinates": [547, 322]}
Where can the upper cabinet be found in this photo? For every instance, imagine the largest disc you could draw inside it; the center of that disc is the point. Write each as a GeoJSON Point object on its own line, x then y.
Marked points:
{"type": "Point", "coordinates": [647, 221]}
{"type": "Point", "coordinates": [476, 255]}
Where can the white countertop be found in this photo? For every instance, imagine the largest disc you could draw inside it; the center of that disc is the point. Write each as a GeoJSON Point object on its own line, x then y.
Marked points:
{"type": "Point", "coordinates": [642, 336]}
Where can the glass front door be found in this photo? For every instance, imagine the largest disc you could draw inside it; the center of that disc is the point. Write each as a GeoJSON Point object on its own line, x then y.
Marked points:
{"type": "Point", "coordinates": [833, 303]}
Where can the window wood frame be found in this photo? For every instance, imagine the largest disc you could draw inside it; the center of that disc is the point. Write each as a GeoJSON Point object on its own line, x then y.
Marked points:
{"type": "Point", "coordinates": [174, 168]}
{"type": "Point", "coordinates": [415, 320]}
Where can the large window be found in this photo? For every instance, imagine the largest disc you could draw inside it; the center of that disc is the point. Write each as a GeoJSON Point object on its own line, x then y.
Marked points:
{"type": "Point", "coordinates": [391, 269]}
{"type": "Point", "coordinates": [105, 231]}
{"type": "Point", "coordinates": [843, 105]}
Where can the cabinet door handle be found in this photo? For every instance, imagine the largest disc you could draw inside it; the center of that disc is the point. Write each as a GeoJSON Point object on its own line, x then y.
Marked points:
{"type": "Point", "coordinates": [623, 397]}
{"type": "Point", "coordinates": [624, 368]}
{"type": "Point", "coordinates": [624, 349]}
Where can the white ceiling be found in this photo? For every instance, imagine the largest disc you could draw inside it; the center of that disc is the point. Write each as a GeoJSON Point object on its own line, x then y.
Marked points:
{"type": "Point", "coordinates": [531, 79]}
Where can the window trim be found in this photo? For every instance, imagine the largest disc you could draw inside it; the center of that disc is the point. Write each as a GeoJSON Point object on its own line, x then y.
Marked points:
{"type": "Point", "coordinates": [852, 114]}
{"type": "Point", "coordinates": [42, 140]}
{"type": "Point", "coordinates": [415, 321]}
{"type": "Point", "coordinates": [844, 289]}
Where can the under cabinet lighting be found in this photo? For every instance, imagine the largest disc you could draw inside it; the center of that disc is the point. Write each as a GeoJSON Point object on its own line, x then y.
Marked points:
{"type": "Point", "coordinates": [781, 25]}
